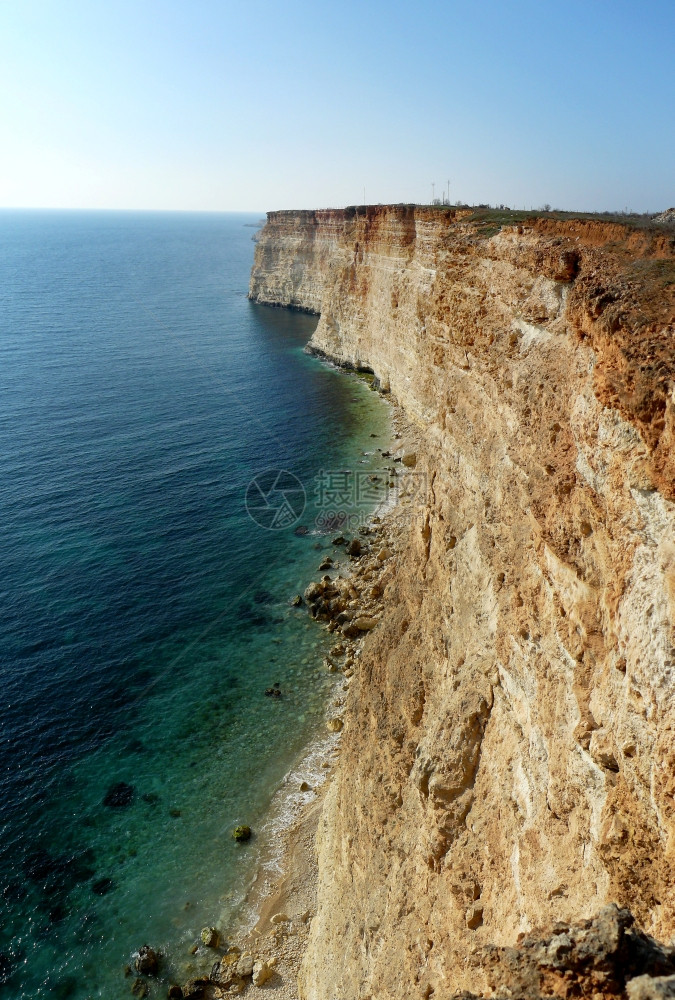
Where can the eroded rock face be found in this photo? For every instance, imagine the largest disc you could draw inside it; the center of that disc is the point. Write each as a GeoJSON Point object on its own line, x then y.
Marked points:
{"type": "Point", "coordinates": [509, 748]}
{"type": "Point", "coordinates": [606, 956]}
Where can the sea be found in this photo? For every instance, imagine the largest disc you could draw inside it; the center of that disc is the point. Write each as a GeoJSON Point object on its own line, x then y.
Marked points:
{"type": "Point", "coordinates": [173, 468]}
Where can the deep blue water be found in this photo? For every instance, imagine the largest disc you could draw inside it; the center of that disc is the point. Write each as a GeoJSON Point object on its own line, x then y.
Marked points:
{"type": "Point", "coordinates": [142, 611]}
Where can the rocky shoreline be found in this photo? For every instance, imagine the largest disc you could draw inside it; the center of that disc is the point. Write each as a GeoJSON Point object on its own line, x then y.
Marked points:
{"type": "Point", "coordinates": [348, 601]}
{"type": "Point", "coordinates": [499, 818]}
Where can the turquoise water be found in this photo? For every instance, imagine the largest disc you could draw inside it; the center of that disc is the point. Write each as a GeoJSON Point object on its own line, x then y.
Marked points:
{"type": "Point", "coordinates": [144, 612]}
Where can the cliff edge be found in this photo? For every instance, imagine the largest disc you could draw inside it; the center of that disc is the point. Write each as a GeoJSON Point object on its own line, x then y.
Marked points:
{"type": "Point", "coordinates": [508, 764]}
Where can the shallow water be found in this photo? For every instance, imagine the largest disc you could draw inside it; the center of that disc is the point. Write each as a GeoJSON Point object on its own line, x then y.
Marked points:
{"type": "Point", "coordinates": [144, 612]}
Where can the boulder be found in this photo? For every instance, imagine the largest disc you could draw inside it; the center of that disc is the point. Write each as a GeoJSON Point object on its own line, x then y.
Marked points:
{"type": "Point", "coordinates": [365, 623]}
{"type": "Point", "coordinates": [313, 592]}
{"type": "Point", "coordinates": [651, 988]}
{"type": "Point", "coordinates": [147, 961]}
{"type": "Point", "coordinates": [350, 631]}
{"type": "Point", "coordinates": [229, 960]}
{"type": "Point", "coordinates": [261, 973]}
{"type": "Point", "coordinates": [354, 548]}
{"type": "Point", "coordinates": [334, 726]}
{"type": "Point", "coordinates": [140, 988]}
{"type": "Point", "coordinates": [244, 966]}
{"type": "Point", "coordinates": [280, 918]}
{"type": "Point", "coordinates": [337, 605]}
{"type": "Point", "coordinates": [194, 989]}
{"type": "Point", "coordinates": [297, 601]}
{"type": "Point", "coordinates": [241, 833]}
{"type": "Point", "coordinates": [210, 937]}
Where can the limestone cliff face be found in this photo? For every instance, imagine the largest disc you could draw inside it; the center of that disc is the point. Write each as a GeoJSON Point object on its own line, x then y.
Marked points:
{"type": "Point", "coordinates": [509, 747]}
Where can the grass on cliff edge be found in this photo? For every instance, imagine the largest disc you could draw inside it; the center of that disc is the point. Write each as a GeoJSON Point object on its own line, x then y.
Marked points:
{"type": "Point", "coordinates": [489, 221]}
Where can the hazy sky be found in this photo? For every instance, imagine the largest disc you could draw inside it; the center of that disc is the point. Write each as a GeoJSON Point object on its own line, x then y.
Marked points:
{"type": "Point", "coordinates": [228, 105]}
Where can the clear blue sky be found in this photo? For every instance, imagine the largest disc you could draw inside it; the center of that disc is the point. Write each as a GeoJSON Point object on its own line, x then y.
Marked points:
{"type": "Point", "coordinates": [232, 105]}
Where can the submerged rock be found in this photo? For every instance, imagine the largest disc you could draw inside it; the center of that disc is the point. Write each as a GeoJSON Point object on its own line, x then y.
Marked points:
{"type": "Point", "coordinates": [263, 597]}
{"type": "Point", "coordinates": [6, 968]}
{"type": "Point", "coordinates": [119, 795]}
{"type": "Point", "coordinates": [103, 886]}
{"type": "Point", "coordinates": [58, 913]}
{"type": "Point", "coordinates": [14, 891]}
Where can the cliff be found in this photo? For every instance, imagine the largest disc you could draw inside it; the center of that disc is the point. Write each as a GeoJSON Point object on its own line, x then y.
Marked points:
{"type": "Point", "coordinates": [508, 760]}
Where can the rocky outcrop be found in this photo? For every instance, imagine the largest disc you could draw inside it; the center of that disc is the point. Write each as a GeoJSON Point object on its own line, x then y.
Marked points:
{"type": "Point", "coordinates": [508, 758]}
{"type": "Point", "coordinates": [606, 956]}
{"type": "Point", "coordinates": [289, 257]}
